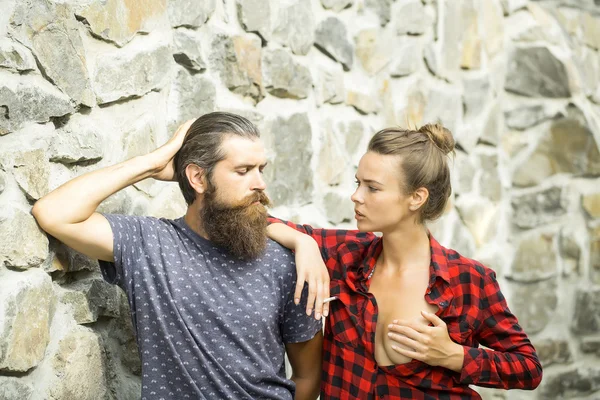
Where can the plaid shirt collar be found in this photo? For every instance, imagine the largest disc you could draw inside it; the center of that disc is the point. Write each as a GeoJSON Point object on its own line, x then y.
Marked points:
{"type": "Point", "coordinates": [438, 268]}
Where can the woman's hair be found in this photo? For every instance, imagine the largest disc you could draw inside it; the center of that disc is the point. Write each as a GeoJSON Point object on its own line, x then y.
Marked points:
{"type": "Point", "coordinates": [202, 146]}
{"type": "Point", "coordinates": [423, 162]}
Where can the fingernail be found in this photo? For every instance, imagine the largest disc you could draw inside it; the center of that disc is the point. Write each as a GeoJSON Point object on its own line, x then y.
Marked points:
{"type": "Point", "coordinates": [390, 325]}
{"type": "Point", "coordinates": [309, 311]}
{"type": "Point", "coordinates": [325, 313]}
{"type": "Point", "coordinates": [318, 316]}
{"type": "Point", "coordinates": [296, 300]}
{"type": "Point", "coordinates": [395, 321]}
{"type": "Point", "coordinates": [389, 334]}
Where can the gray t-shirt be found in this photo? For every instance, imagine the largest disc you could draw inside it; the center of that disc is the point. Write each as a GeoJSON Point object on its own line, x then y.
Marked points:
{"type": "Point", "coordinates": [208, 325]}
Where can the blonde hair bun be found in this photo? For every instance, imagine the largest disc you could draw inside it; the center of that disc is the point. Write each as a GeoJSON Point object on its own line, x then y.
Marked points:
{"type": "Point", "coordinates": [440, 136]}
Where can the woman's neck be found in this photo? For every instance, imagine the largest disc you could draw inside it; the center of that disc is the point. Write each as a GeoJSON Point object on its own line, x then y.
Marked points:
{"type": "Point", "coordinates": [405, 248]}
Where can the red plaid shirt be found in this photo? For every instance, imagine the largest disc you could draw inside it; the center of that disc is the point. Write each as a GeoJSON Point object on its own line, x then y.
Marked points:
{"type": "Point", "coordinates": [469, 301]}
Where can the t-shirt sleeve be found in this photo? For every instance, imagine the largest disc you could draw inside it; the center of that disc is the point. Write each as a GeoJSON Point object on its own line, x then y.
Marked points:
{"type": "Point", "coordinates": [297, 326]}
{"type": "Point", "coordinates": [127, 241]}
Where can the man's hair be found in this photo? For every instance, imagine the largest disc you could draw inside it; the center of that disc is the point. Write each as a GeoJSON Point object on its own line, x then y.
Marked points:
{"type": "Point", "coordinates": [202, 146]}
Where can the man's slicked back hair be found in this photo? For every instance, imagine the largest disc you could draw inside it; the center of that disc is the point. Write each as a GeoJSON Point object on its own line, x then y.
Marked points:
{"type": "Point", "coordinates": [202, 146]}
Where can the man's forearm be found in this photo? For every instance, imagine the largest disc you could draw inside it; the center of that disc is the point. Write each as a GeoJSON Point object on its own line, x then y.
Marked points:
{"type": "Point", "coordinates": [307, 388]}
{"type": "Point", "coordinates": [76, 200]}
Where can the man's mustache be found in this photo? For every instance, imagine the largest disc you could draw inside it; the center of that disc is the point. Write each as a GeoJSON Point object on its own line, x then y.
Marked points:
{"type": "Point", "coordinates": [260, 197]}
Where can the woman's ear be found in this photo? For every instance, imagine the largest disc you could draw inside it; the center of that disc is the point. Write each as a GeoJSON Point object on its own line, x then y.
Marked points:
{"type": "Point", "coordinates": [196, 177]}
{"type": "Point", "coordinates": [418, 198]}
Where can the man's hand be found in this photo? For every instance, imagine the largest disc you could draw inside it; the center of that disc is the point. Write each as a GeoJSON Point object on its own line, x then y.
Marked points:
{"type": "Point", "coordinates": [310, 268]}
{"type": "Point", "coordinates": [432, 344]}
{"type": "Point", "coordinates": [162, 158]}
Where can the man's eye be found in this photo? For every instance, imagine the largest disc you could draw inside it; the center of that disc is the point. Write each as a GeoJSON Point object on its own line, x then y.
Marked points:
{"type": "Point", "coordinates": [242, 171]}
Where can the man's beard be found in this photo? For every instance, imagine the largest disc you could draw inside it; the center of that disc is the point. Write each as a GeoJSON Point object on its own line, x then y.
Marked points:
{"type": "Point", "coordinates": [241, 228]}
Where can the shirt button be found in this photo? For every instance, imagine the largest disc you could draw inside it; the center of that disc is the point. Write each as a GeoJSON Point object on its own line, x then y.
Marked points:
{"type": "Point", "coordinates": [443, 304]}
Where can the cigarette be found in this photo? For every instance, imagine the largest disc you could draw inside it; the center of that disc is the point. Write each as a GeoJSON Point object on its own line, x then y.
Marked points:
{"type": "Point", "coordinates": [327, 300]}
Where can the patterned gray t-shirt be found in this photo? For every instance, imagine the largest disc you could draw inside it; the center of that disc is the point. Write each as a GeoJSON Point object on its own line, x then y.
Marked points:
{"type": "Point", "coordinates": [209, 325]}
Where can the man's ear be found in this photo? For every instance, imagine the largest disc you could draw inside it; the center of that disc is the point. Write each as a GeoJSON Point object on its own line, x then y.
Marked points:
{"type": "Point", "coordinates": [418, 198]}
{"type": "Point", "coordinates": [196, 177]}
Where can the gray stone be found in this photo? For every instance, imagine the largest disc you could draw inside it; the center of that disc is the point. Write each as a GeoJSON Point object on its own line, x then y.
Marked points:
{"type": "Point", "coordinates": [476, 94]}
{"type": "Point", "coordinates": [190, 97]}
{"type": "Point", "coordinates": [588, 62]}
{"type": "Point", "coordinates": [122, 350]}
{"type": "Point", "coordinates": [444, 105]}
{"type": "Point", "coordinates": [536, 72]}
{"type": "Point", "coordinates": [45, 27]}
{"type": "Point", "coordinates": [91, 299]}
{"type": "Point", "coordinates": [590, 345]}
{"type": "Point", "coordinates": [15, 389]}
{"type": "Point", "coordinates": [330, 84]}
{"type": "Point", "coordinates": [23, 244]}
{"type": "Point", "coordinates": [283, 76]}
{"type": "Point", "coordinates": [570, 147]}
{"type": "Point", "coordinates": [255, 16]}
{"type": "Point", "coordinates": [237, 59]}
{"type": "Point", "coordinates": [130, 72]}
{"type": "Point", "coordinates": [15, 56]}
{"type": "Point", "coordinates": [190, 13]}
{"type": "Point", "coordinates": [338, 208]}
{"type": "Point", "coordinates": [29, 98]}
{"type": "Point", "coordinates": [493, 128]}
{"type": "Point", "coordinates": [594, 235]}
{"type": "Point", "coordinates": [538, 208]}
{"type": "Point", "coordinates": [382, 8]}
{"type": "Point", "coordinates": [410, 17]}
{"type": "Point", "coordinates": [591, 204]}
{"type": "Point", "coordinates": [187, 49]}
{"type": "Point", "coordinates": [534, 304]}
{"type": "Point", "coordinates": [492, 19]}
{"type": "Point", "coordinates": [480, 216]}
{"type": "Point", "coordinates": [571, 383]}
{"type": "Point", "coordinates": [331, 38]}
{"type": "Point", "coordinates": [333, 161]}
{"type": "Point", "coordinates": [372, 49]}
{"type": "Point", "coordinates": [462, 173]}
{"type": "Point", "coordinates": [586, 319]}
{"type": "Point", "coordinates": [489, 180]}
{"type": "Point", "coordinates": [79, 367]}
{"type": "Point", "coordinates": [118, 203]}
{"type": "Point", "coordinates": [407, 57]}
{"type": "Point", "coordinates": [352, 131]}
{"type": "Point", "coordinates": [569, 251]}
{"type": "Point", "coordinates": [535, 258]}
{"type": "Point", "coordinates": [291, 182]}
{"type": "Point", "coordinates": [2, 181]}
{"type": "Point", "coordinates": [591, 29]}
{"type": "Point", "coordinates": [337, 5]}
{"type": "Point", "coordinates": [31, 171]}
{"type": "Point", "coordinates": [295, 25]}
{"type": "Point", "coordinates": [120, 20]}
{"type": "Point", "coordinates": [77, 142]}
{"type": "Point", "coordinates": [27, 306]}
{"type": "Point", "coordinates": [362, 98]}
{"type": "Point", "coordinates": [71, 260]}
{"type": "Point", "coordinates": [524, 116]}
{"type": "Point", "coordinates": [553, 351]}
{"type": "Point", "coordinates": [510, 6]}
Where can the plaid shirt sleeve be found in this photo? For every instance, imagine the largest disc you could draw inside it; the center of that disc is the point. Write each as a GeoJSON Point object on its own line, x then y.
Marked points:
{"type": "Point", "coordinates": [330, 240]}
{"type": "Point", "coordinates": [510, 361]}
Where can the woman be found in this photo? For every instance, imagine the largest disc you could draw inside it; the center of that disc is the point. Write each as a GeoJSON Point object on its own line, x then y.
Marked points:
{"type": "Point", "coordinates": [409, 314]}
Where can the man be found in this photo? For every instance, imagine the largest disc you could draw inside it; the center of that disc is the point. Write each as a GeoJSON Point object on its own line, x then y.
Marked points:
{"type": "Point", "coordinates": [211, 298]}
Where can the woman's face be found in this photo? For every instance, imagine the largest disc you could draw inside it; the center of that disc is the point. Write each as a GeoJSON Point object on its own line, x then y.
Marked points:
{"type": "Point", "coordinates": [379, 203]}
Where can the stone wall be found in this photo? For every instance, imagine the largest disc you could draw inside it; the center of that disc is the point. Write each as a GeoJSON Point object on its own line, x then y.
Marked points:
{"type": "Point", "coordinates": [85, 84]}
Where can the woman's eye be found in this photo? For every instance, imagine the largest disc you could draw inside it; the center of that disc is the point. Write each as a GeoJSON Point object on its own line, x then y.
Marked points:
{"type": "Point", "coordinates": [372, 189]}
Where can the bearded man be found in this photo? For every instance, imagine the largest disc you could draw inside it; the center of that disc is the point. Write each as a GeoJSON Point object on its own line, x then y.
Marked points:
{"type": "Point", "coordinates": [212, 299]}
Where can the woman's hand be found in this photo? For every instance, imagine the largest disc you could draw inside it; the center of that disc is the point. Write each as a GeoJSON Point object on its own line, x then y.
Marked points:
{"type": "Point", "coordinates": [432, 344]}
{"type": "Point", "coordinates": [310, 268]}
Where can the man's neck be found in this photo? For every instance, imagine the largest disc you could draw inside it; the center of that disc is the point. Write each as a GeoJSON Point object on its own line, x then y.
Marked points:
{"type": "Point", "coordinates": [193, 220]}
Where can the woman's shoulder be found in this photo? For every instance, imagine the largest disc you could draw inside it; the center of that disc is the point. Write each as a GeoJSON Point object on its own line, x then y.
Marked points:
{"type": "Point", "coordinates": [459, 265]}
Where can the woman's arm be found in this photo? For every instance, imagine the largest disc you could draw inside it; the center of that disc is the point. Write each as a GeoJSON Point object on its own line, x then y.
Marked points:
{"type": "Point", "coordinates": [310, 267]}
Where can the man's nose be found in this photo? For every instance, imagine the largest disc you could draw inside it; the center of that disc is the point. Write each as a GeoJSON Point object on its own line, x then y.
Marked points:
{"type": "Point", "coordinates": [259, 182]}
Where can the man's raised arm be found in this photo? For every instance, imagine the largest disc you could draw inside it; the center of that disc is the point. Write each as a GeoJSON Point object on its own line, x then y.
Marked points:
{"type": "Point", "coordinates": [68, 212]}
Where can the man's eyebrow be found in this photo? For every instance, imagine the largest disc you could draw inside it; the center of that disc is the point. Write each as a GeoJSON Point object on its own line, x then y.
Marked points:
{"type": "Point", "coordinates": [250, 166]}
{"type": "Point", "coordinates": [369, 181]}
